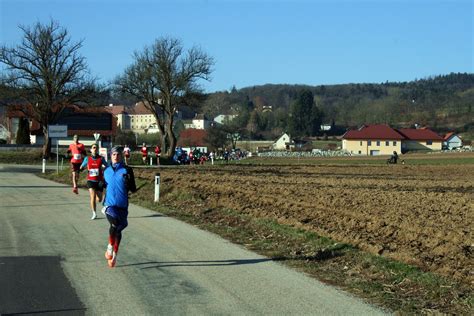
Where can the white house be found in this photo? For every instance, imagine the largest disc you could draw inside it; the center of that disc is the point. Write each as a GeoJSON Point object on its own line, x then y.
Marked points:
{"type": "Point", "coordinates": [282, 143]}
{"type": "Point", "coordinates": [4, 133]}
{"type": "Point", "coordinates": [198, 122]}
{"type": "Point", "coordinates": [224, 118]}
{"type": "Point", "coordinates": [452, 141]}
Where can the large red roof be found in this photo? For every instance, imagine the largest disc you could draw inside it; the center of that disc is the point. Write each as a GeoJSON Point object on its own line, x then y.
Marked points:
{"type": "Point", "coordinates": [380, 131]}
{"type": "Point", "coordinates": [419, 134]}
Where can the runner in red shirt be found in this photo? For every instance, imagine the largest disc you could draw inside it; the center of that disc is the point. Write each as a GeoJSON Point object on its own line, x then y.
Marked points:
{"type": "Point", "coordinates": [157, 154]}
{"type": "Point", "coordinates": [77, 152]}
{"type": "Point", "coordinates": [126, 154]}
{"type": "Point", "coordinates": [144, 153]}
{"type": "Point", "coordinates": [95, 165]}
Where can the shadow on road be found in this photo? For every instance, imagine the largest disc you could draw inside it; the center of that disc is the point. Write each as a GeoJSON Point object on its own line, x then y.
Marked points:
{"type": "Point", "coordinates": [33, 186]}
{"type": "Point", "coordinates": [145, 216]}
{"type": "Point", "coordinates": [197, 263]}
{"type": "Point", "coordinates": [36, 285]}
{"type": "Point", "coordinates": [29, 205]}
{"type": "Point", "coordinates": [321, 255]}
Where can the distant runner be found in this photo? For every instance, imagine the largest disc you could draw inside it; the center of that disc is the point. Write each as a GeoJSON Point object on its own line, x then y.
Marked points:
{"type": "Point", "coordinates": [157, 154]}
{"type": "Point", "coordinates": [119, 179]}
{"type": "Point", "coordinates": [77, 150]}
{"type": "Point", "coordinates": [95, 165]}
{"type": "Point", "coordinates": [126, 154]}
{"type": "Point", "coordinates": [144, 152]}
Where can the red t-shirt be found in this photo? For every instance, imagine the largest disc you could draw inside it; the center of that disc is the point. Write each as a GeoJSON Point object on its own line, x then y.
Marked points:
{"type": "Point", "coordinates": [157, 150]}
{"type": "Point", "coordinates": [94, 168]}
{"type": "Point", "coordinates": [144, 151]}
{"type": "Point", "coordinates": [77, 150]}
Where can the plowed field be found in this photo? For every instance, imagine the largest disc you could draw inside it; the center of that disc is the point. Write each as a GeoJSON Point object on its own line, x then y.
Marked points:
{"type": "Point", "coordinates": [421, 215]}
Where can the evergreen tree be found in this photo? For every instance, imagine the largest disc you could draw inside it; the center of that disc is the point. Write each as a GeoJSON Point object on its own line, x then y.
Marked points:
{"type": "Point", "coordinates": [300, 115]}
{"type": "Point", "coordinates": [316, 120]}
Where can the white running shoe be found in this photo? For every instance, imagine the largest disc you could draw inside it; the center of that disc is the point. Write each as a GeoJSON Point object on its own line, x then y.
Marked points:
{"type": "Point", "coordinates": [94, 215]}
{"type": "Point", "coordinates": [108, 252]}
{"type": "Point", "coordinates": [103, 210]}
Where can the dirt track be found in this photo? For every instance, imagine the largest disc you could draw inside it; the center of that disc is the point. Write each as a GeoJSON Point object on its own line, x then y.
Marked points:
{"type": "Point", "coordinates": [422, 215]}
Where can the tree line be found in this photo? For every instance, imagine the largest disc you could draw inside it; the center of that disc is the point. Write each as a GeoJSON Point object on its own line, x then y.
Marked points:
{"type": "Point", "coordinates": [442, 102]}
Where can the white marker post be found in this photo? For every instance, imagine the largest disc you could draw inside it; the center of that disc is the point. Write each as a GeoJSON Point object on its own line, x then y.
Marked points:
{"type": "Point", "coordinates": [151, 161]}
{"type": "Point", "coordinates": [57, 155]}
{"type": "Point", "coordinates": [44, 165]}
{"type": "Point", "coordinates": [157, 187]}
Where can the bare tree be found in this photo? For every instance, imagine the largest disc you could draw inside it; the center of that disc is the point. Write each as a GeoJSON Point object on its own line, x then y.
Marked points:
{"type": "Point", "coordinates": [165, 76]}
{"type": "Point", "coordinates": [48, 71]}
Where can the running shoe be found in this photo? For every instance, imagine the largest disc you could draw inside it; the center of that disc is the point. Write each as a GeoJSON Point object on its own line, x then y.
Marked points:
{"type": "Point", "coordinates": [75, 190]}
{"type": "Point", "coordinates": [103, 209]}
{"type": "Point", "coordinates": [113, 261]}
{"type": "Point", "coordinates": [94, 215]}
{"type": "Point", "coordinates": [108, 252]}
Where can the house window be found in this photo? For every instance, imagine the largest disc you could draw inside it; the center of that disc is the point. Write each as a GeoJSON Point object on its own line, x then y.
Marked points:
{"type": "Point", "coordinates": [394, 143]}
{"type": "Point", "coordinates": [429, 142]}
{"type": "Point", "coordinates": [360, 143]}
{"type": "Point", "coordinates": [369, 143]}
{"type": "Point", "coordinates": [360, 152]}
{"type": "Point", "coordinates": [378, 143]}
{"type": "Point", "coordinates": [387, 143]}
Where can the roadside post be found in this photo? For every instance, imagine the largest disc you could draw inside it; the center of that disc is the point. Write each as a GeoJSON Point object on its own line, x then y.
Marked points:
{"type": "Point", "coordinates": [151, 160]}
{"type": "Point", "coordinates": [157, 187]}
{"type": "Point", "coordinates": [44, 165]}
{"type": "Point", "coordinates": [57, 132]}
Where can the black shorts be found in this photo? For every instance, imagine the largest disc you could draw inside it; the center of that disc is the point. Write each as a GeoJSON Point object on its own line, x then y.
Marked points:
{"type": "Point", "coordinates": [95, 185]}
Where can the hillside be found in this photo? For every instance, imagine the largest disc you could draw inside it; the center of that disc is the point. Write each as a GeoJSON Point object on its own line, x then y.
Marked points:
{"type": "Point", "coordinates": [442, 102]}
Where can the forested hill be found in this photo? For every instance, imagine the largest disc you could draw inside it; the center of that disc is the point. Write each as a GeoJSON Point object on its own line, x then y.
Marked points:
{"type": "Point", "coordinates": [443, 102]}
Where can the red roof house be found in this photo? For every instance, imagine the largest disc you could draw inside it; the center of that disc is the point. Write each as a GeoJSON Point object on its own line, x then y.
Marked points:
{"type": "Point", "coordinates": [380, 131]}
{"type": "Point", "coordinates": [381, 139]}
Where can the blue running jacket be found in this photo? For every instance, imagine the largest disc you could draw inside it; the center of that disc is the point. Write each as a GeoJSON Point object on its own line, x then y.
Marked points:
{"type": "Point", "coordinates": [119, 179]}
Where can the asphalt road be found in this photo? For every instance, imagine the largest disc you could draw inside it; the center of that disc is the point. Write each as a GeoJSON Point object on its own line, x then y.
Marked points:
{"type": "Point", "coordinates": [52, 261]}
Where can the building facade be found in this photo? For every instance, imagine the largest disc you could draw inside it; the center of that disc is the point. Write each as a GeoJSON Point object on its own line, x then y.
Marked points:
{"type": "Point", "coordinates": [373, 140]}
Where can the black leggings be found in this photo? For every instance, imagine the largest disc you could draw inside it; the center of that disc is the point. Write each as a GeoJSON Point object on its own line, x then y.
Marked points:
{"type": "Point", "coordinates": [116, 226]}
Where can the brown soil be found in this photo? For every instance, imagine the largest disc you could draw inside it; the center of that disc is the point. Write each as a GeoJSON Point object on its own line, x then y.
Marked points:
{"type": "Point", "coordinates": [422, 215]}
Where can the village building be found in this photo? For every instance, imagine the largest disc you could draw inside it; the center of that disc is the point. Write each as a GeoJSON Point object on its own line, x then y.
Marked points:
{"type": "Point", "coordinates": [452, 141]}
{"type": "Point", "coordinates": [282, 143]}
{"type": "Point", "coordinates": [381, 139]}
{"type": "Point", "coordinates": [224, 118]}
{"type": "Point", "coordinates": [137, 119]}
{"type": "Point", "coordinates": [420, 139]}
{"type": "Point", "coordinates": [199, 121]}
{"type": "Point", "coordinates": [81, 121]}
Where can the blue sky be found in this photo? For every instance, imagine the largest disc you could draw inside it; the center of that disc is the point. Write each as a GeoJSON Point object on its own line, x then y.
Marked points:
{"type": "Point", "coordinates": [255, 42]}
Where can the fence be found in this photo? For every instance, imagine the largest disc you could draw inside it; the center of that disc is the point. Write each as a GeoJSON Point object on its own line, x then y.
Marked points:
{"type": "Point", "coordinates": [305, 154]}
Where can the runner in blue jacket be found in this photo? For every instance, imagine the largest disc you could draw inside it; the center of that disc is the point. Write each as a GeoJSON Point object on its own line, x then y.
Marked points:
{"type": "Point", "coordinates": [119, 180]}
